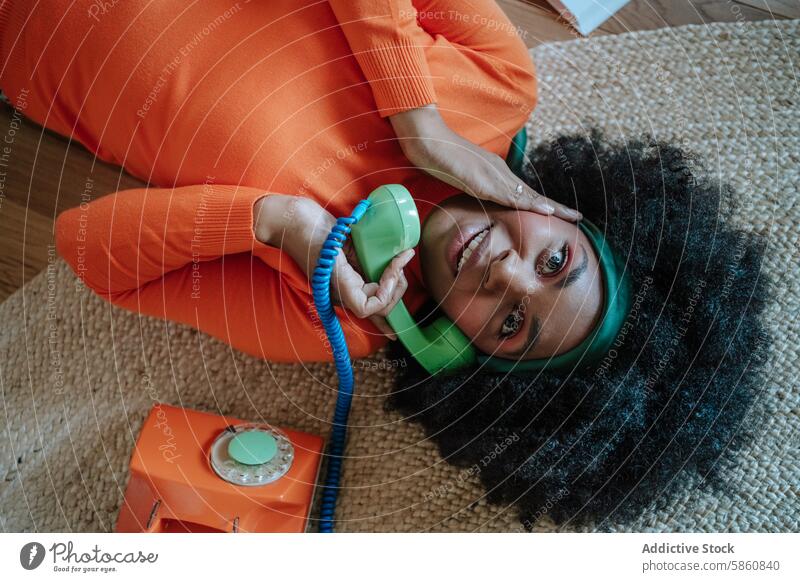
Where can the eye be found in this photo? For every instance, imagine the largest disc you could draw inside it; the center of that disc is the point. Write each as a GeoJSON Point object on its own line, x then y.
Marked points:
{"type": "Point", "coordinates": [513, 323]}
{"type": "Point", "coordinates": [554, 262]}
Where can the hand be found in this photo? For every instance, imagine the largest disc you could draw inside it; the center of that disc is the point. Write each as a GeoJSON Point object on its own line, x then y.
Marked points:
{"type": "Point", "coordinates": [299, 227]}
{"type": "Point", "coordinates": [432, 146]}
{"type": "Point", "coordinates": [373, 301]}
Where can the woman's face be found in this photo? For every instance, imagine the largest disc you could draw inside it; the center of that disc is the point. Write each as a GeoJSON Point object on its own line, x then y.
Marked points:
{"type": "Point", "coordinates": [521, 285]}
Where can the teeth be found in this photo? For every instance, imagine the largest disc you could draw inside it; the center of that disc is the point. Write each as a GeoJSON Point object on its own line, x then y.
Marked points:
{"type": "Point", "coordinates": [473, 244]}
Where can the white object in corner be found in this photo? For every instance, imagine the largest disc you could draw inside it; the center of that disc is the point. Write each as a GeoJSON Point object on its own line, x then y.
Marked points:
{"type": "Point", "coordinates": [586, 15]}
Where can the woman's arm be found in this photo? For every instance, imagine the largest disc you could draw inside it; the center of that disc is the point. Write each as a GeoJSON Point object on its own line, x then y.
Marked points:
{"type": "Point", "coordinates": [208, 256]}
{"type": "Point", "coordinates": [430, 144]}
{"type": "Point", "coordinates": [300, 226]}
{"type": "Point", "coordinates": [122, 241]}
{"type": "Point", "coordinates": [482, 75]}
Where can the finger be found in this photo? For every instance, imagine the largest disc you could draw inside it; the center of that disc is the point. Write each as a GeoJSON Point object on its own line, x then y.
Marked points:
{"type": "Point", "coordinates": [343, 279]}
{"type": "Point", "coordinates": [365, 300]}
{"type": "Point", "coordinates": [392, 274]}
{"type": "Point", "coordinates": [530, 199]}
{"type": "Point", "coordinates": [379, 320]}
{"type": "Point", "coordinates": [386, 295]}
{"type": "Point", "coordinates": [356, 298]}
{"type": "Point", "coordinates": [383, 326]}
{"type": "Point", "coordinates": [565, 212]}
{"type": "Point", "coordinates": [382, 309]}
{"type": "Point", "coordinates": [349, 287]}
{"type": "Point", "coordinates": [399, 291]}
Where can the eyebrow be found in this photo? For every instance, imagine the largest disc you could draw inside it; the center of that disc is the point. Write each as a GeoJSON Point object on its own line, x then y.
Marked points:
{"type": "Point", "coordinates": [536, 325]}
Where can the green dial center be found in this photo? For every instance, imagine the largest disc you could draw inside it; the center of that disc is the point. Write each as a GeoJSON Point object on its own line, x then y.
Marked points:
{"type": "Point", "coordinates": [253, 447]}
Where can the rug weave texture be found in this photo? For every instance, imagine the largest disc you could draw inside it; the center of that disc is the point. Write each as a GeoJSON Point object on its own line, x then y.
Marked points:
{"type": "Point", "coordinates": [77, 376]}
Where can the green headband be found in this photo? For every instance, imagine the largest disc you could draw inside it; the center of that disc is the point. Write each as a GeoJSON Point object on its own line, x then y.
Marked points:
{"type": "Point", "coordinates": [617, 304]}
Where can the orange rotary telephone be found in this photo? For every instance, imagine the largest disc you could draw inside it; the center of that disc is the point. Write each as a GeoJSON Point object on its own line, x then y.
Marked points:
{"type": "Point", "coordinates": [198, 472]}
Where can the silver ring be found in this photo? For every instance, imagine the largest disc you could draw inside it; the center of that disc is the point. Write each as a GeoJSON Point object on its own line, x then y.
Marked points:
{"type": "Point", "coordinates": [520, 189]}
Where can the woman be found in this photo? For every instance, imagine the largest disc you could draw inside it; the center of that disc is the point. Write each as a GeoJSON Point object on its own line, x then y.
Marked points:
{"type": "Point", "coordinates": [259, 123]}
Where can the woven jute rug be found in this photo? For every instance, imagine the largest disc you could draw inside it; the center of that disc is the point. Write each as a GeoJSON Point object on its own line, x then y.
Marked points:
{"type": "Point", "coordinates": [78, 376]}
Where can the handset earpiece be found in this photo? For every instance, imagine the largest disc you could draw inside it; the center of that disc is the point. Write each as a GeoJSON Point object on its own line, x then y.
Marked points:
{"type": "Point", "coordinates": [390, 226]}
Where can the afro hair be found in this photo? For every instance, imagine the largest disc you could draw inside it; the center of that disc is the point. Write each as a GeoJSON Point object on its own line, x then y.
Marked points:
{"type": "Point", "coordinates": [674, 396]}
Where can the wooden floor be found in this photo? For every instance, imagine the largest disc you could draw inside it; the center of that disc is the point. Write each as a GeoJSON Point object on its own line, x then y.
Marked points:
{"type": "Point", "coordinates": [46, 173]}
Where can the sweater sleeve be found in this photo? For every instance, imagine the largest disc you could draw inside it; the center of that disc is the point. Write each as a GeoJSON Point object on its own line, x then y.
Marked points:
{"type": "Point", "coordinates": [189, 255]}
{"type": "Point", "coordinates": [120, 242]}
{"type": "Point", "coordinates": [479, 24]}
{"type": "Point", "coordinates": [384, 38]}
{"type": "Point", "coordinates": [483, 74]}
{"type": "Point", "coordinates": [426, 51]}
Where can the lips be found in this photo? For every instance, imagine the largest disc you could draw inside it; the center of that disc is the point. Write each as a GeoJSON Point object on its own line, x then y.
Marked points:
{"type": "Point", "coordinates": [472, 246]}
{"type": "Point", "coordinates": [467, 245]}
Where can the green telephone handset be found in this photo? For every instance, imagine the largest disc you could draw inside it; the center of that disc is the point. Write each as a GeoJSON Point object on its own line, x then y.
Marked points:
{"type": "Point", "coordinates": [390, 226]}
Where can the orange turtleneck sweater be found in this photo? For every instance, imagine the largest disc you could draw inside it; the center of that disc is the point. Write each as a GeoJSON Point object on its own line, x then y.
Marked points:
{"type": "Point", "coordinates": [218, 103]}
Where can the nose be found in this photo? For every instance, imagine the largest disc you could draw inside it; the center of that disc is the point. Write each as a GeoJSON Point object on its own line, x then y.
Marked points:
{"type": "Point", "coordinates": [508, 274]}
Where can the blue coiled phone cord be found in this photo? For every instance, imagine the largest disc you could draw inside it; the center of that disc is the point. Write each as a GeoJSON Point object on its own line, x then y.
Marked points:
{"type": "Point", "coordinates": [321, 290]}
